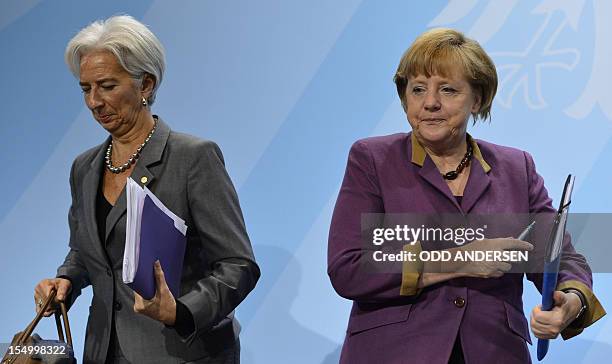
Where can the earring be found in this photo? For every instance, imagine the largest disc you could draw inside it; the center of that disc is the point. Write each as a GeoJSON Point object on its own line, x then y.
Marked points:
{"type": "Point", "coordinates": [144, 102]}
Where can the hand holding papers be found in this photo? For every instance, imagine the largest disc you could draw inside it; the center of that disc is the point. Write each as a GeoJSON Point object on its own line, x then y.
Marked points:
{"type": "Point", "coordinates": [153, 232]}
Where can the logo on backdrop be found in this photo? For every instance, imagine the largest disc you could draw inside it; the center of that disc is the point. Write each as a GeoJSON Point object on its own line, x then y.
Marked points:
{"type": "Point", "coordinates": [544, 51]}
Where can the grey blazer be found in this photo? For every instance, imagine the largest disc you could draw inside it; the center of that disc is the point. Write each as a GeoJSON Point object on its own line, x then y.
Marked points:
{"type": "Point", "coordinates": [189, 177]}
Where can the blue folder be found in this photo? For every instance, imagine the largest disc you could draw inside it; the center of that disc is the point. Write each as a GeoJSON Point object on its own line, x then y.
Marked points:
{"type": "Point", "coordinates": [159, 240]}
{"type": "Point", "coordinates": [553, 257]}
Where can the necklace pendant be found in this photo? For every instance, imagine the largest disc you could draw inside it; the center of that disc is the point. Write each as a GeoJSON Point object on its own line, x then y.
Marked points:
{"type": "Point", "coordinates": [451, 175]}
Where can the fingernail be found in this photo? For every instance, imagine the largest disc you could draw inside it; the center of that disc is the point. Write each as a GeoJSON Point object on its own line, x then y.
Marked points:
{"type": "Point", "coordinates": [157, 264]}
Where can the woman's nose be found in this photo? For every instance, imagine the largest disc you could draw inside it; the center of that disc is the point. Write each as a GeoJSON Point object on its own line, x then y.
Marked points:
{"type": "Point", "coordinates": [93, 99]}
{"type": "Point", "coordinates": [432, 101]}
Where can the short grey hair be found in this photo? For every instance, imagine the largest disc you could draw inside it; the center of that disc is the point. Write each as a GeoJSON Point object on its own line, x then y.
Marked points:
{"type": "Point", "coordinates": [137, 49]}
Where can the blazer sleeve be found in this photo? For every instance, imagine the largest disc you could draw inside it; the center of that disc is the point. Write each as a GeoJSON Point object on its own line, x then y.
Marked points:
{"type": "Point", "coordinates": [217, 217]}
{"type": "Point", "coordinates": [73, 269]}
{"type": "Point", "coordinates": [574, 271]}
{"type": "Point", "coordinates": [347, 256]}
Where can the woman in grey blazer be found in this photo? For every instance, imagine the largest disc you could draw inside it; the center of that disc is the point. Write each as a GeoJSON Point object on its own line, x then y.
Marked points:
{"type": "Point", "coordinates": [120, 65]}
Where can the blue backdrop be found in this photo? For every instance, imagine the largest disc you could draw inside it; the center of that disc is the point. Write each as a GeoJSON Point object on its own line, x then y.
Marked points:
{"type": "Point", "coordinates": [285, 88]}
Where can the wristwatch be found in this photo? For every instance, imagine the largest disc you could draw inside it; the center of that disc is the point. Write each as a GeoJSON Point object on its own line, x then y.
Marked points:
{"type": "Point", "coordinates": [582, 301]}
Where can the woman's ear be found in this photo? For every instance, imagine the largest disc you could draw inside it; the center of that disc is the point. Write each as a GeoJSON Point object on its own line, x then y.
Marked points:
{"type": "Point", "coordinates": [477, 102]}
{"type": "Point", "coordinates": [147, 85]}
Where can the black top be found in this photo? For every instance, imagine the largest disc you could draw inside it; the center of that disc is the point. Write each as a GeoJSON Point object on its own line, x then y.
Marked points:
{"type": "Point", "coordinates": [103, 208]}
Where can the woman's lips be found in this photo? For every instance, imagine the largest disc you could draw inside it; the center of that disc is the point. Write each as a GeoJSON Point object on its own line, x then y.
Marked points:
{"type": "Point", "coordinates": [432, 120]}
{"type": "Point", "coordinates": [104, 118]}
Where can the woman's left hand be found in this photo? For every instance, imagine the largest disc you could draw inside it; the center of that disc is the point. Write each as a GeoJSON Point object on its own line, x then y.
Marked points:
{"type": "Point", "coordinates": [162, 307]}
{"type": "Point", "coordinates": [548, 324]}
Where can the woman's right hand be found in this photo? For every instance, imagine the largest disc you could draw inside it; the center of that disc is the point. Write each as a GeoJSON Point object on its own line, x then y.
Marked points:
{"type": "Point", "coordinates": [487, 268]}
{"type": "Point", "coordinates": [43, 288]}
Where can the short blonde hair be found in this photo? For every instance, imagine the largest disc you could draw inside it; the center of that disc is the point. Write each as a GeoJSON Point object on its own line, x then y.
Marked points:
{"type": "Point", "coordinates": [438, 51]}
{"type": "Point", "coordinates": [136, 48]}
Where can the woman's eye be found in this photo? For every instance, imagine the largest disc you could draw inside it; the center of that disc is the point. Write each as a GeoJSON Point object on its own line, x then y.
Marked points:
{"type": "Point", "coordinates": [418, 90]}
{"type": "Point", "coordinates": [449, 90]}
{"type": "Point", "coordinates": [85, 90]}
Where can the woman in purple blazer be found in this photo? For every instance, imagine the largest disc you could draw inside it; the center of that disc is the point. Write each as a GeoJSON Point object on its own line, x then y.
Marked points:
{"type": "Point", "coordinates": [423, 314]}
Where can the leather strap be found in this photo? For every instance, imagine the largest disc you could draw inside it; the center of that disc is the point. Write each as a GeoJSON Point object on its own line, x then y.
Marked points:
{"type": "Point", "coordinates": [30, 328]}
{"type": "Point", "coordinates": [58, 323]}
{"type": "Point", "coordinates": [28, 331]}
{"type": "Point", "coordinates": [66, 323]}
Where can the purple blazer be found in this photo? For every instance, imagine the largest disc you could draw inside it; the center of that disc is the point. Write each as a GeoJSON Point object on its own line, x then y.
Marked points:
{"type": "Point", "coordinates": [393, 322]}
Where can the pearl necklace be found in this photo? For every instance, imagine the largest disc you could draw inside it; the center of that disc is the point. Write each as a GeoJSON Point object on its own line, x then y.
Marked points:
{"type": "Point", "coordinates": [127, 165]}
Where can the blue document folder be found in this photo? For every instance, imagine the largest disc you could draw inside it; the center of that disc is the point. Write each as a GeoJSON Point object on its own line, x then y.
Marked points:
{"type": "Point", "coordinates": [553, 257]}
{"type": "Point", "coordinates": [551, 271]}
{"type": "Point", "coordinates": [159, 240]}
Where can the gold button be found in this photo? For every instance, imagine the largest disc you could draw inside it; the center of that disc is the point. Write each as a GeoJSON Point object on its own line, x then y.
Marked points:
{"type": "Point", "coordinates": [144, 179]}
{"type": "Point", "coordinates": [459, 302]}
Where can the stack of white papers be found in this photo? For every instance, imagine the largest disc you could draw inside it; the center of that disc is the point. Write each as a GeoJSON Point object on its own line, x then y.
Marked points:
{"type": "Point", "coordinates": [135, 202]}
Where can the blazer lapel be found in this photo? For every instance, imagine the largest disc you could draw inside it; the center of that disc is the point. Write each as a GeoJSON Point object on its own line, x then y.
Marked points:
{"type": "Point", "coordinates": [477, 184]}
{"type": "Point", "coordinates": [151, 155]}
{"type": "Point", "coordinates": [91, 183]}
{"type": "Point", "coordinates": [430, 173]}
